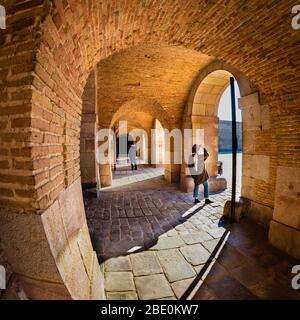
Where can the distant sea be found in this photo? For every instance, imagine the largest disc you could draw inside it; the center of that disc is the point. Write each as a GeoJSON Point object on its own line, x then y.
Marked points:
{"type": "Point", "coordinates": [228, 151]}
{"type": "Point", "coordinates": [225, 156]}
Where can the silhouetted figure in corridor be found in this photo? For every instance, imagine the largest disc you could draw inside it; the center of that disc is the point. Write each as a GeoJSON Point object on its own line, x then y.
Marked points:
{"type": "Point", "coordinates": [198, 171]}
{"type": "Point", "coordinates": [132, 156]}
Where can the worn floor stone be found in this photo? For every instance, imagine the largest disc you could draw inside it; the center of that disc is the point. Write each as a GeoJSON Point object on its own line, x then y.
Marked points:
{"type": "Point", "coordinates": [179, 287]}
{"type": "Point", "coordinates": [145, 263]}
{"type": "Point", "coordinates": [175, 266]}
{"type": "Point", "coordinates": [216, 232]}
{"type": "Point", "coordinates": [195, 238]}
{"type": "Point", "coordinates": [199, 268]}
{"type": "Point", "coordinates": [210, 245]}
{"type": "Point", "coordinates": [168, 243]}
{"type": "Point", "coordinates": [119, 281]}
{"type": "Point", "coordinates": [117, 264]}
{"type": "Point", "coordinates": [195, 254]}
{"type": "Point", "coordinates": [130, 295]}
{"type": "Point", "coordinates": [153, 287]}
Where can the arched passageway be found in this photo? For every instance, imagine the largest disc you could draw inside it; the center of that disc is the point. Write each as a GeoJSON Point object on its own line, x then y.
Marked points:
{"type": "Point", "coordinates": [46, 58]}
{"type": "Point", "coordinates": [225, 137]}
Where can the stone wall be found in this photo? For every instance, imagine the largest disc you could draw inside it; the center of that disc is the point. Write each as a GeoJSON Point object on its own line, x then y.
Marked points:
{"type": "Point", "coordinates": [53, 256]}
{"type": "Point", "coordinates": [259, 158]}
{"type": "Point", "coordinates": [285, 226]}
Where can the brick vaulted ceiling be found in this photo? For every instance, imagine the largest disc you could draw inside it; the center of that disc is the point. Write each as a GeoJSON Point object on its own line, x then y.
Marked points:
{"type": "Point", "coordinates": [161, 73]}
{"type": "Point", "coordinates": [252, 35]}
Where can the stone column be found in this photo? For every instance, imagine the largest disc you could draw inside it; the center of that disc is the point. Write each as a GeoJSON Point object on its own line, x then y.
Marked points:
{"type": "Point", "coordinates": [257, 151]}
{"type": "Point", "coordinates": [51, 252]}
{"type": "Point", "coordinates": [87, 149]}
{"type": "Point", "coordinates": [172, 152]}
{"type": "Point", "coordinates": [105, 170]}
{"type": "Point", "coordinates": [284, 230]}
{"type": "Point", "coordinates": [142, 148]}
{"type": "Point", "coordinates": [87, 133]}
{"type": "Point", "coordinates": [161, 148]}
{"type": "Point", "coordinates": [186, 182]}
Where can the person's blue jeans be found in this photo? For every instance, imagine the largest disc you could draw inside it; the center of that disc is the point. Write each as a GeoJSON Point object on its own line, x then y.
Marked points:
{"type": "Point", "coordinates": [206, 190]}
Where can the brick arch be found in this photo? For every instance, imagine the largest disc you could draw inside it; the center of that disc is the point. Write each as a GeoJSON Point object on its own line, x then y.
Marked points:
{"type": "Point", "coordinates": [209, 93]}
{"type": "Point", "coordinates": [142, 129]}
{"type": "Point", "coordinates": [132, 125]}
{"type": "Point", "coordinates": [213, 80]}
{"type": "Point", "coordinates": [45, 61]}
{"type": "Point", "coordinates": [201, 111]}
{"type": "Point", "coordinates": [140, 112]}
{"type": "Point", "coordinates": [146, 106]}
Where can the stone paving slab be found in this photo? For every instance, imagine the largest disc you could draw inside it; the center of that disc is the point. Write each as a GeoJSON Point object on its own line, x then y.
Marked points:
{"type": "Point", "coordinates": [175, 266]}
{"type": "Point", "coordinates": [179, 287]}
{"type": "Point", "coordinates": [195, 238]}
{"type": "Point", "coordinates": [119, 281]}
{"type": "Point", "coordinates": [195, 254]}
{"type": "Point", "coordinates": [117, 264]}
{"type": "Point", "coordinates": [199, 268]}
{"type": "Point", "coordinates": [217, 232]}
{"type": "Point", "coordinates": [145, 263]}
{"type": "Point", "coordinates": [153, 287]}
{"type": "Point", "coordinates": [130, 295]}
{"type": "Point", "coordinates": [168, 243]}
{"type": "Point", "coordinates": [210, 244]}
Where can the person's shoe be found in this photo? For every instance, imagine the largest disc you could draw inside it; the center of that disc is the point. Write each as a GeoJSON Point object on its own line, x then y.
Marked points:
{"type": "Point", "coordinates": [197, 201]}
{"type": "Point", "coordinates": [207, 201]}
{"type": "Point", "coordinates": [135, 168]}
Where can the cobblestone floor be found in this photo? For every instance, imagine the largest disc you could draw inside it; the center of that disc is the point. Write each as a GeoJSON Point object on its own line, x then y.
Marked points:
{"type": "Point", "coordinates": [150, 237]}
{"type": "Point", "coordinates": [152, 242]}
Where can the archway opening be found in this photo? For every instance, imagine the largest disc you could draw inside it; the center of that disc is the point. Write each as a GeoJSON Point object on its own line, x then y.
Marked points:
{"type": "Point", "coordinates": [206, 125]}
{"type": "Point", "coordinates": [136, 147]}
{"type": "Point", "coordinates": [225, 138]}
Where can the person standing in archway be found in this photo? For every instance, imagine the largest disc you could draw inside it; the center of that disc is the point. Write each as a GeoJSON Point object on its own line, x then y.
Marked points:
{"type": "Point", "coordinates": [132, 156]}
{"type": "Point", "coordinates": [198, 172]}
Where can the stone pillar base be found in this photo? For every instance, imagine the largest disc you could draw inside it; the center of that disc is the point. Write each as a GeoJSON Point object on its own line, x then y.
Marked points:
{"type": "Point", "coordinates": [172, 177]}
{"type": "Point", "coordinates": [51, 253]}
{"type": "Point", "coordinates": [285, 238]}
{"type": "Point", "coordinates": [241, 209]}
{"type": "Point", "coordinates": [260, 214]}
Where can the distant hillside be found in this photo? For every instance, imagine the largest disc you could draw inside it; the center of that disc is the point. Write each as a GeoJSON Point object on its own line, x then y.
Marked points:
{"type": "Point", "coordinates": [225, 139]}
